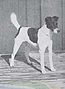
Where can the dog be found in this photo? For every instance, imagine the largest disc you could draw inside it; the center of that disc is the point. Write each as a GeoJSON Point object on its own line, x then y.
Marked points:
{"type": "Point", "coordinates": [35, 36]}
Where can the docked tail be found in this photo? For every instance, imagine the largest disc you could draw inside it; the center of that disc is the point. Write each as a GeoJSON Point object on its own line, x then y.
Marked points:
{"type": "Point", "coordinates": [14, 20]}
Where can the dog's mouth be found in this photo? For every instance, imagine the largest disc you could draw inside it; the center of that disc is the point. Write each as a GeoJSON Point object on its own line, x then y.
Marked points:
{"type": "Point", "coordinates": [56, 30]}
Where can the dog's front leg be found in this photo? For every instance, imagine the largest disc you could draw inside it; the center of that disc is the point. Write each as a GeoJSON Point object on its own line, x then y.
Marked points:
{"type": "Point", "coordinates": [42, 46]}
{"type": "Point", "coordinates": [42, 61]}
{"type": "Point", "coordinates": [50, 56]}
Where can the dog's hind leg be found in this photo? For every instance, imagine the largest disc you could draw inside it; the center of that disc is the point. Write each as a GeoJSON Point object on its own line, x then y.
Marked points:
{"type": "Point", "coordinates": [17, 44]}
{"type": "Point", "coordinates": [50, 56]}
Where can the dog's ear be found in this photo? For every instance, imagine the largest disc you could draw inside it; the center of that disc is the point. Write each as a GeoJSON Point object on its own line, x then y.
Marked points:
{"type": "Point", "coordinates": [48, 20]}
{"type": "Point", "coordinates": [55, 18]}
{"type": "Point", "coordinates": [49, 23]}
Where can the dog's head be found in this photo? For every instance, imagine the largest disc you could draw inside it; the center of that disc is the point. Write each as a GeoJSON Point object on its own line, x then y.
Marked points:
{"type": "Point", "coordinates": [52, 23]}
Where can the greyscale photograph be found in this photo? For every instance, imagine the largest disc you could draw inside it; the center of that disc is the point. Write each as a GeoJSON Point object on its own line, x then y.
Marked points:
{"type": "Point", "coordinates": [32, 44]}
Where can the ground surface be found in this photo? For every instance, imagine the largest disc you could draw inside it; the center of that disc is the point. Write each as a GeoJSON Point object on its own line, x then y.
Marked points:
{"type": "Point", "coordinates": [29, 76]}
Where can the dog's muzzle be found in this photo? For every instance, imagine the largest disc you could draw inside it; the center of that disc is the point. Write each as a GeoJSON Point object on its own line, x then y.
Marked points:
{"type": "Point", "coordinates": [56, 30]}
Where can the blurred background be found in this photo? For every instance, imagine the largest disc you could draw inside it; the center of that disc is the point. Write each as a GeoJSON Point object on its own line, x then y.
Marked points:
{"type": "Point", "coordinates": [30, 13]}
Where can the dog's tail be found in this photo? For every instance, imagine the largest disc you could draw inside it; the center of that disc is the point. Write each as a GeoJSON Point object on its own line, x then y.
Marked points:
{"type": "Point", "coordinates": [14, 20]}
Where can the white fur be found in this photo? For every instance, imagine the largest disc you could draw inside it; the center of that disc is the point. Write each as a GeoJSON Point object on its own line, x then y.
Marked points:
{"type": "Point", "coordinates": [44, 41]}
{"type": "Point", "coordinates": [55, 30]}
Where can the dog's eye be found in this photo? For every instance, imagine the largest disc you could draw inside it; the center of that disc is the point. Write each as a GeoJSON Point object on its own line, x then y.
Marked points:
{"type": "Point", "coordinates": [56, 23]}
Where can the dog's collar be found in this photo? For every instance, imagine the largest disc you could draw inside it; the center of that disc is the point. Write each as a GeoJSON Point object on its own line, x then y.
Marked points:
{"type": "Point", "coordinates": [18, 31]}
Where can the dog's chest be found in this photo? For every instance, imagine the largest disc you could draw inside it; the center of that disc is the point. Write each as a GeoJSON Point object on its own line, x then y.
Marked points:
{"type": "Point", "coordinates": [44, 33]}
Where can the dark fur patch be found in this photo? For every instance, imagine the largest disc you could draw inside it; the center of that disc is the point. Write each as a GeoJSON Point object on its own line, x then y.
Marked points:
{"type": "Point", "coordinates": [52, 22]}
{"type": "Point", "coordinates": [55, 18]}
{"type": "Point", "coordinates": [18, 31]}
{"type": "Point", "coordinates": [33, 34]}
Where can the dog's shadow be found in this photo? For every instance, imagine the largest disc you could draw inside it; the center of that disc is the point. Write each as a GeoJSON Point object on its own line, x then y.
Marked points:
{"type": "Point", "coordinates": [23, 54]}
{"type": "Point", "coordinates": [23, 59]}
{"type": "Point", "coordinates": [6, 58]}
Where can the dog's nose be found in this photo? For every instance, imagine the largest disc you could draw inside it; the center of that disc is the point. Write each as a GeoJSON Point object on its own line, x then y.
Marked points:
{"type": "Point", "coordinates": [58, 31]}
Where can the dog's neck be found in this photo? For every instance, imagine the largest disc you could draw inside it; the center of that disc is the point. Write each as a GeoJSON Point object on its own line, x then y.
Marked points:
{"type": "Point", "coordinates": [48, 31]}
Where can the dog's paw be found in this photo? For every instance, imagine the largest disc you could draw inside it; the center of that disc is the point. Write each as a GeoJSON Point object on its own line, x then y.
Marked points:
{"type": "Point", "coordinates": [53, 69]}
{"type": "Point", "coordinates": [11, 61]}
{"type": "Point", "coordinates": [29, 62]}
{"type": "Point", "coordinates": [43, 71]}
{"type": "Point", "coordinates": [35, 45]}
